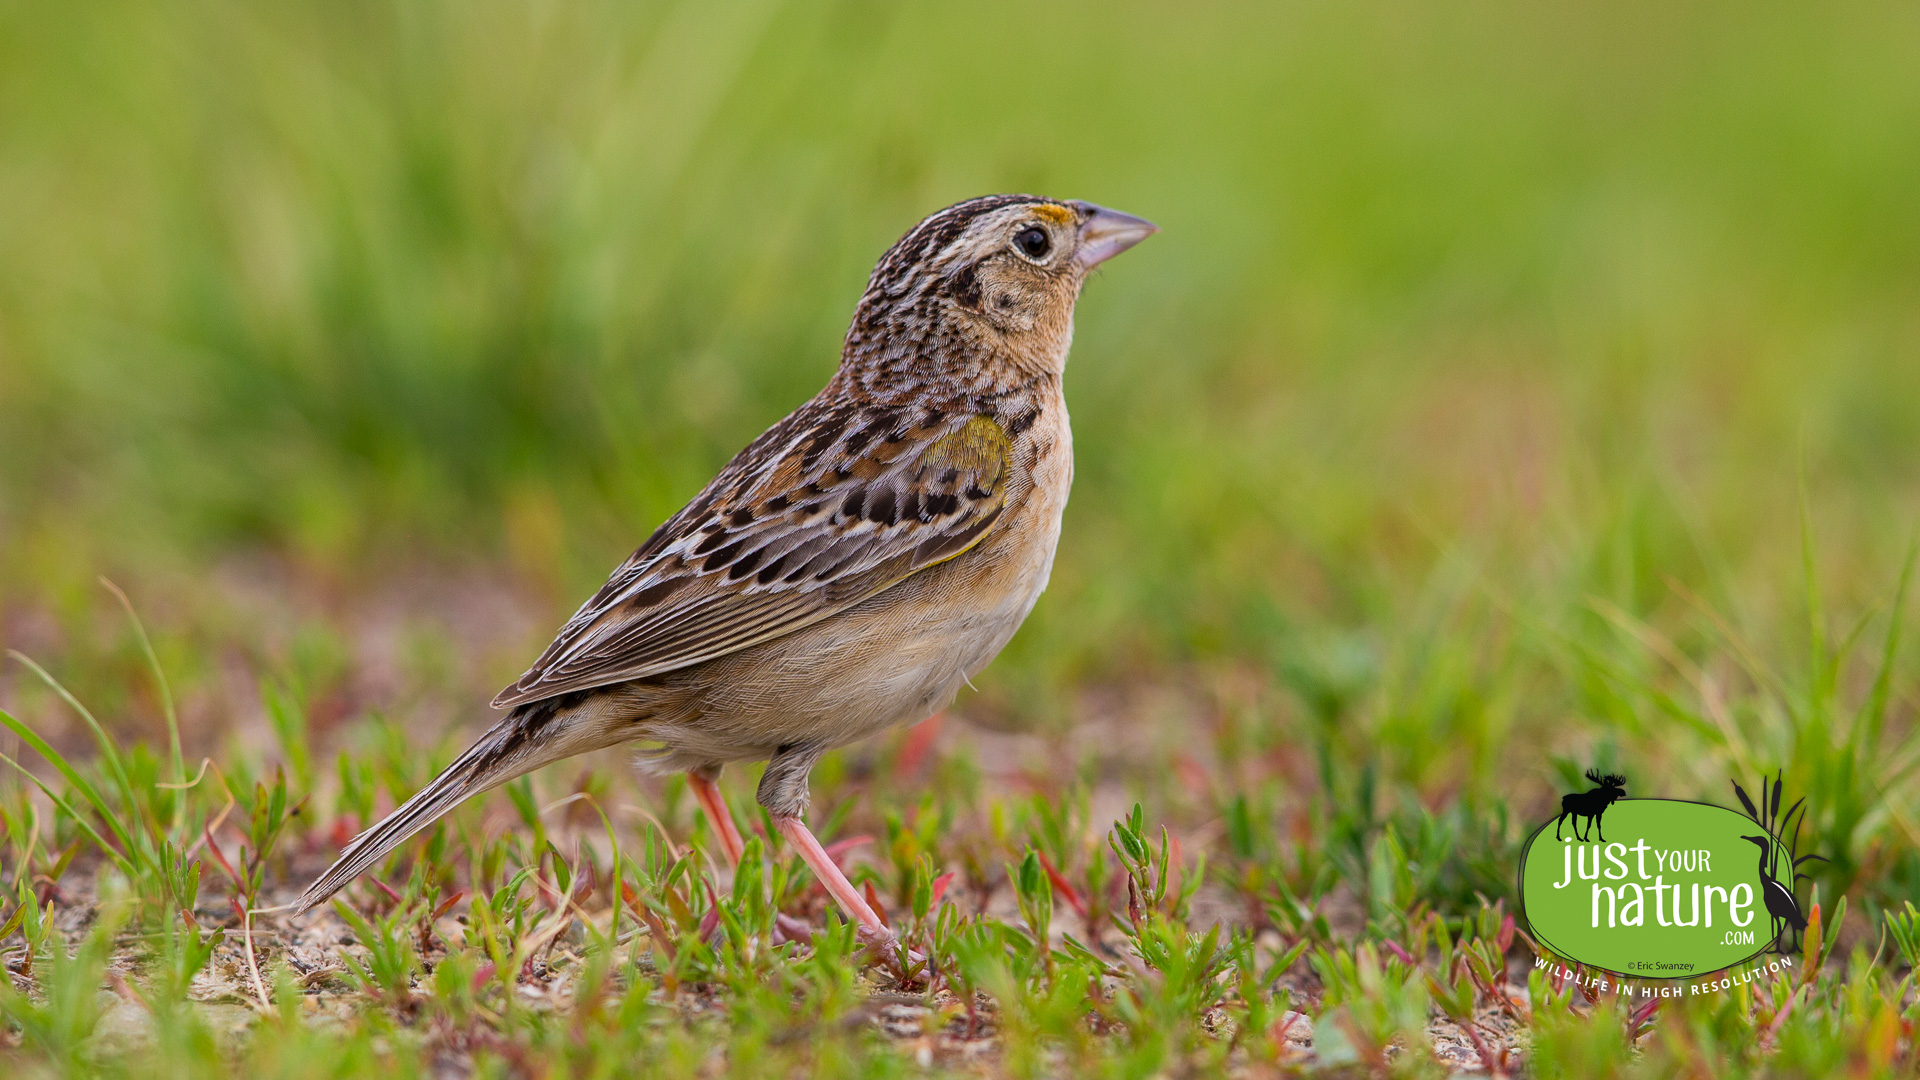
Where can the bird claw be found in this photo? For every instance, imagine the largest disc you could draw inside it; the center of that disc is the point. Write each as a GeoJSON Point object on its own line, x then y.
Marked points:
{"type": "Point", "coordinates": [885, 946]}
{"type": "Point", "coordinates": [879, 942]}
{"type": "Point", "coordinates": [787, 928]}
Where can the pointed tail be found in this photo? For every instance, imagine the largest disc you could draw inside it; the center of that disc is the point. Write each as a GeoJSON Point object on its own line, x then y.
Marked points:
{"type": "Point", "coordinates": [538, 733]}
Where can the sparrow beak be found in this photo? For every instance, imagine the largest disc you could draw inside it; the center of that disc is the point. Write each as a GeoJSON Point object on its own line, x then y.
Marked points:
{"type": "Point", "coordinates": [1106, 233]}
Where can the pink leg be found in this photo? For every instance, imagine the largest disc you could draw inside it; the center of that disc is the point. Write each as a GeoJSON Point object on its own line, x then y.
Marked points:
{"type": "Point", "coordinates": [718, 815]}
{"type": "Point", "coordinates": [842, 890]}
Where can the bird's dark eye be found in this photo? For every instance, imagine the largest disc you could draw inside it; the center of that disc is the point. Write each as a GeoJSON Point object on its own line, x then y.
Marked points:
{"type": "Point", "coordinates": [1033, 243]}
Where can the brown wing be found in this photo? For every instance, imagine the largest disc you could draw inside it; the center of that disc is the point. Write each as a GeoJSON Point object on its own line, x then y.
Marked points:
{"type": "Point", "coordinates": [783, 538]}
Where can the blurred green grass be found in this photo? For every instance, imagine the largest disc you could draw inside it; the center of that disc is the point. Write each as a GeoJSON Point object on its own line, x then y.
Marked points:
{"type": "Point", "coordinates": [1481, 340]}
{"type": "Point", "coordinates": [1513, 388]}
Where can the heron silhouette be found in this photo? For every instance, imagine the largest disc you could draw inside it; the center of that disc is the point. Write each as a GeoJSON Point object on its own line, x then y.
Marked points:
{"type": "Point", "coordinates": [1779, 899]}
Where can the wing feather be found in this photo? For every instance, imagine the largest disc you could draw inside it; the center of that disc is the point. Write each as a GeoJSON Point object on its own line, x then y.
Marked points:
{"type": "Point", "coordinates": [815, 517]}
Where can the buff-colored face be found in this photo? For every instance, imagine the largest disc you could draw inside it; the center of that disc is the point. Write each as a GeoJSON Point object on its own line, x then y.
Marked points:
{"type": "Point", "coordinates": [1016, 271]}
{"type": "Point", "coordinates": [985, 285]}
{"type": "Point", "coordinates": [1019, 266]}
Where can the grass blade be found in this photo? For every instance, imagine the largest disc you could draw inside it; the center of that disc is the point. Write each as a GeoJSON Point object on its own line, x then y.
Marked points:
{"type": "Point", "coordinates": [111, 851]}
{"type": "Point", "coordinates": [1817, 668]}
{"type": "Point", "coordinates": [73, 777]}
{"type": "Point", "coordinates": [166, 696]}
{"type": "Point", "coordinates": [1874, 716]}
{"type": "Point", "coordinates": [109, 750]}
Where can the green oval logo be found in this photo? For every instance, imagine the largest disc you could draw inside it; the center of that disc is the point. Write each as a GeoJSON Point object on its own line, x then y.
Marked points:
{"type": "Point", "coordinates": [1656, 888]}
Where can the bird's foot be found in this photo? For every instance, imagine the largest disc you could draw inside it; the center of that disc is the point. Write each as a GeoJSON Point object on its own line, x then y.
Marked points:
{"type": "Point", "coordinates": [885, 947]}
{"type": "Point", "coordinates": [787, 928]}
{"type": "Point", "coordinates": [879, 940]}
{"type": "Point", "coordinates": [880, 943]}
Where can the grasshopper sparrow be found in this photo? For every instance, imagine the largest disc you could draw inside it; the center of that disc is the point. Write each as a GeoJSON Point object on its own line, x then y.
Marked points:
{"type": "Point", "coordinates": [852, 566]}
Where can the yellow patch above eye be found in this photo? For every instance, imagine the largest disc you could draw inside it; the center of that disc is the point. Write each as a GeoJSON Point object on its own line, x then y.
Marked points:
{"type": "Point", "coordinates": [1059, 215]}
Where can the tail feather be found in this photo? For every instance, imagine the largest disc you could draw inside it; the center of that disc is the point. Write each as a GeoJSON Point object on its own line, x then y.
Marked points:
{"type": "Point", "coordinates": [535, 734]}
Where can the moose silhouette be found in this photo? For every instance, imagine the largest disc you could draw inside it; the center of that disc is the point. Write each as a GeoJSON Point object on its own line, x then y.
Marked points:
{"type": "Point", "coordinates": [1590, 805]}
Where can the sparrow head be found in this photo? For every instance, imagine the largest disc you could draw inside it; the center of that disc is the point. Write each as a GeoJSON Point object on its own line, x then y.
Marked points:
{"type": "Point", "coordinates": [987, 283]}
